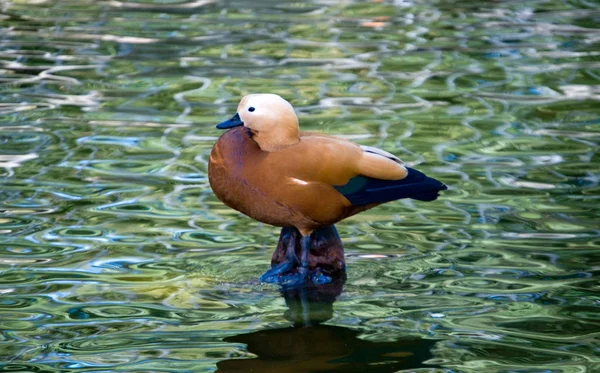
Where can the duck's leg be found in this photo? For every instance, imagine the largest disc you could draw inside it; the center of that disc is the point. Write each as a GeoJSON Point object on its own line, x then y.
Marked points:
{"type": "Point", "coordinates": [299, 277]}
{"type": "Point", "coordinates": [305, 246]}
{"type": "Point", "coordinates": [317, 277]}
{"type": "Point", "coordinates": [272, 275]}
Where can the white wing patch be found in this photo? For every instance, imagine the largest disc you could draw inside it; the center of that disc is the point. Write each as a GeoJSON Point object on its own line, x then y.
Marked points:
{"type": "Point", "coordinates": [298, 181]}
{"type": "Point", "coordinates": [383, 153]}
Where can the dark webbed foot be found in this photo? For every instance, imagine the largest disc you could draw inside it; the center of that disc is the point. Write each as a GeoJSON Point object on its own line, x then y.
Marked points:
{"type": "Point", "coordinates": [284, 273]}
{"type": "Point", "coordinates": [293, 279]}
{"type": "Point", "coordinates": [273, 274]}
{"type": "Point", "coordinates": [318, 278]}
{"type": "Point", "coordinates": [290, 262]}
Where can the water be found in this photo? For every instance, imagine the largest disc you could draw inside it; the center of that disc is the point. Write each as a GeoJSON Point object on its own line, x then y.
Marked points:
{"type": "Point", "coordinates": [116, 256]}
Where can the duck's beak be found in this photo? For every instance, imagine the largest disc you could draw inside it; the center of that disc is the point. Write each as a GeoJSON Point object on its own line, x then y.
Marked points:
{"type": "Point", "coordinates": [233, 122]}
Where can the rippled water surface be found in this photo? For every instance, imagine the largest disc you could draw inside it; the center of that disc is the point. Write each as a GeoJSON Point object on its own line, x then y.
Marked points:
{"type": "Point", "coordinates": [116, 256]}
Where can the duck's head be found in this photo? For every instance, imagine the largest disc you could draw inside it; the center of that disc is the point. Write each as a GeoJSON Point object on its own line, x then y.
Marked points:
{"type": "Point", "coordinates": [270, 119]}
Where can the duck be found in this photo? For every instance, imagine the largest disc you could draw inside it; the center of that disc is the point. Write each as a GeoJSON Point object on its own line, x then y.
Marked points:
{"type": "Point", "coordinates": [266, 168]}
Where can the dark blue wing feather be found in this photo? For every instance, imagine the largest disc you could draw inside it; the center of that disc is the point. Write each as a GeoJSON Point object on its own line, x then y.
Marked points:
{"type": "Point", "coordinates": [362, 190]}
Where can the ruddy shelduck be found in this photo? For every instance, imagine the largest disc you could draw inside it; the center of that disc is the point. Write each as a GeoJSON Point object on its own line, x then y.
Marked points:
{"type": "Point", "coordinates": [266, 168]}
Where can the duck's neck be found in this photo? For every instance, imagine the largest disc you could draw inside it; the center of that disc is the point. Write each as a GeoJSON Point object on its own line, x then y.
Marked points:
{"type": "Point", "coordinates": [276, 141]}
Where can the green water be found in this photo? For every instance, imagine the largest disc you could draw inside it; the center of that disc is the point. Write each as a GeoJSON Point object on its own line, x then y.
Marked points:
{"type": "Point", "coordinates": [116, 256]}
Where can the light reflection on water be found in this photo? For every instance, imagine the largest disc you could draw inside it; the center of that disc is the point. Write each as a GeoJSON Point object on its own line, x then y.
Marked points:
{"type": "Point", "coordinates": [115, 255]}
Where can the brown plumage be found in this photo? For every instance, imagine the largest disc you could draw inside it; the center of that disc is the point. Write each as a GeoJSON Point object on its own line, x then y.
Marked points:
{"type": "Point", "coordinates": [267, 169]}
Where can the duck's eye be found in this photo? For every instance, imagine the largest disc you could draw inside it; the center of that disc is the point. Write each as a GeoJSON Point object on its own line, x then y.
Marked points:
{"type": "Point", "coordinates": [251, 109]}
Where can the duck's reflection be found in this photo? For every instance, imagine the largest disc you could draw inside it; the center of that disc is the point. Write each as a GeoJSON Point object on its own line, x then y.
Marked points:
{"type": "Point", "coordinates": [309, 346]}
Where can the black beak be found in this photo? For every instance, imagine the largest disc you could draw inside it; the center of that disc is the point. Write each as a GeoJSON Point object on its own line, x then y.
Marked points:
{"type": "Point", "coordinates": [233, 122]}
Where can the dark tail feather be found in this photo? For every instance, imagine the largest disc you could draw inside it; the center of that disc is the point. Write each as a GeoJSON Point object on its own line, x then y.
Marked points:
{"type": "Point", "coordinates": [363, 190]}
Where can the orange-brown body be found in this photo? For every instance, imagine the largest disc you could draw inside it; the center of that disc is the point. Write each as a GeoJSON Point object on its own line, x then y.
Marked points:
{"type": "Point", "coordinates": [289, 187]}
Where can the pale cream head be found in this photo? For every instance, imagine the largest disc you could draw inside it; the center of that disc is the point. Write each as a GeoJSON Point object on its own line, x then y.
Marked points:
{"type": "Point", "coordinates": [271, 119]}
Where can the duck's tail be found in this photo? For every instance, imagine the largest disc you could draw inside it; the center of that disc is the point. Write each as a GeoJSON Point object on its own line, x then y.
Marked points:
{"type": "Point", "coordinates": [362, 190]}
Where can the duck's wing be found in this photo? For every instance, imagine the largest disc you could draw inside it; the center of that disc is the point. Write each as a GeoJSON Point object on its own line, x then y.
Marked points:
{"type": "Point", "coordinates": [384, 178]}
{"type": "Point", "coordinates": [363, 174]}
{"type": "Point", "coordinates": [383, 153]}
{"type": "Point", "coordinates": [363, 160]}
{"type": "Point", "coordinates": [362, 190]}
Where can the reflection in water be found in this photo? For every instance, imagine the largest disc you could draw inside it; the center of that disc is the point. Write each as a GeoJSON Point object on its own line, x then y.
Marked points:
{"type": "Point", "coordinates": [310, 346]}
{"type": "Point", "coordinates": [311, 305]}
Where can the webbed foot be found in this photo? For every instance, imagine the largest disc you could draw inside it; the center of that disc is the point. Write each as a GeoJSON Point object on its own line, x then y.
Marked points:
{"type": "Point", "coordinates": [292, 279]}
{"type": "Point", "coordinates": [295, 279]}
{"type": "Point", "coordinates": [318, 278]}
{"type": "Point", "coordinates": [273, 274]}
{"type": "Point", "coordinates": [289, 278]}
{"type": "Point", "coordinates": [290, 262]}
